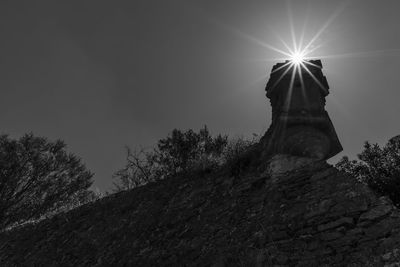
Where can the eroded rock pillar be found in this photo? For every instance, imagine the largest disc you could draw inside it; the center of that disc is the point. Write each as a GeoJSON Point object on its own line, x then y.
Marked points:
{"type": "Point", "coordinates": [300, 124]}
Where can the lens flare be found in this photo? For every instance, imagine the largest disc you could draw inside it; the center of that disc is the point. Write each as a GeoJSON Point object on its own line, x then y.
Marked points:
{"type": "Point", "coordinates": [297, 57]}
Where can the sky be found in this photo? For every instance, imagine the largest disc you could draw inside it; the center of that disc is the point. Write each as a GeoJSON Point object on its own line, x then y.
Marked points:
{"type": "Point", "coordinates": [104, 74]}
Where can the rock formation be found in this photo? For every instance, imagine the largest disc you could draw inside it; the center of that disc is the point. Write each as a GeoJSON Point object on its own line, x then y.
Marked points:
{"type": "Point", "coordinates": [300, 125]}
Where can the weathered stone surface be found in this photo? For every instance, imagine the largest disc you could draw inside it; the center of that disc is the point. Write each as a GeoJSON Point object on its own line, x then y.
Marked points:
{"type": "Point", "coordinates": [280, 164]}
{"type": "Point", "coordinates": [376, 213]}
{"type": "Point", "coordinates": [300, 124]}
{"type": "Point", "coordinates": [342, 221]}
{"type": "Point", "coordinates": [305, 218]}
{"type": "Point", "coordinates": [330, 236]}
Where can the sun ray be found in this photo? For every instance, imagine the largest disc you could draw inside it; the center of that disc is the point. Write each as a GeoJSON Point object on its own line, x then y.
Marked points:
{"type": "Point", "coordinates": [315, 79]}
{"type": "Point", "coordinates": [290, 90]}
{"type": "Point", "coordinates": [288, 96]}
{"type": "Point", "coordinates": [302, 37]}
{"type": "Point", "coordinates": [281, 67]}
{"type": "Point", "coordinates": [286, 45]}
{"type": "Point", "coordinates": [247, 36]}
{"type": "Point", "coordinates": [283, 74]}
{"type": "Point", "coordinates": [311, 50]}
{"type": "Point", "coordinates": [267, 59]}
{"type": "Point", "coordinates": [303, 89]}
{"type": "Point", "coordinates": [259, 42]}
{"type": "Point", "coordinates": [257, 80]}
{"type": "Point", "coordinates": [304, 26]}
{"type": "Point", "coordinates": [335, 14]}
{"type": "Point", "coordinates": [360, 54]}
{"type": "Point", "coordinates": [312, 64]}
{"type": "Point", "coordinates": [314, 47]}
{"type": "Point", "coordinates": [292, 32]}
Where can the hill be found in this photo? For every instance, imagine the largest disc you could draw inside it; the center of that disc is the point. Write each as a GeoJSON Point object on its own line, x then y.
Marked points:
{"type": "Point", "coordinates": [309, 215]}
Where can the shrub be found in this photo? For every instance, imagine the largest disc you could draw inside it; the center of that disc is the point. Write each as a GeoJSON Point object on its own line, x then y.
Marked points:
{"type": "Point", "coordinates": [377, 167]}
{"type": "Point", "coordinates": [181, 152]}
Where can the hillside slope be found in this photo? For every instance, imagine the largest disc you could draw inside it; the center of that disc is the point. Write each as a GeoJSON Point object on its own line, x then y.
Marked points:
{"type": "Point", "coordinates": [311, 216]}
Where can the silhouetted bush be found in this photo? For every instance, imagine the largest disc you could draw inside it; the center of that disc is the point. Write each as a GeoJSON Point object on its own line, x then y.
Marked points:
{"type": "Point", "coordinates": [181, 152]}
{"type": "Point", "coordinates": [139, 169]}
{"type": "Point", "coordinates": [240, 154]}
{"type": "Point", "coordinates": [377, 167]}
{"type": "Point", "coordinates": [39, 177]}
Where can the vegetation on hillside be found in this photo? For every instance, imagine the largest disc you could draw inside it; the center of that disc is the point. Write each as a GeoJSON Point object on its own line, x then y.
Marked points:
{"type": "Point", "coordinates": [39, 177]}
{"type": "Point", "coordinates": [182, 152]}
{"type": "Point", "coordinates": [377, 167]}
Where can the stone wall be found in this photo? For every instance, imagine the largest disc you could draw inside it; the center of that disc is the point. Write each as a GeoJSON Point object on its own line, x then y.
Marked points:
{"type": "Point", "coordinates": [311, 216]}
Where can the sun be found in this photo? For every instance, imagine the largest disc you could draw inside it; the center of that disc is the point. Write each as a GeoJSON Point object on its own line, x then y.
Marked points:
{"type": "Point", "coordinates": [297, 57]}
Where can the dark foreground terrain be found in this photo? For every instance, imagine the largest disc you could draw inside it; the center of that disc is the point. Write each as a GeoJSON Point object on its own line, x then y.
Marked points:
{"type": "Point", "coordinates": [312, 216]}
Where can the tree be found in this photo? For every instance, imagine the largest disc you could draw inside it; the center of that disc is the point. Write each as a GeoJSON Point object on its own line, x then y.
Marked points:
{"type": "Point", "coordinates": [37, 177]}
{"type": "Point", "coordinates": [182, 152]}
{"type": "Point", "coordinates": [139, 169]}
{"type": "Point", "coordinates": [377, 167]}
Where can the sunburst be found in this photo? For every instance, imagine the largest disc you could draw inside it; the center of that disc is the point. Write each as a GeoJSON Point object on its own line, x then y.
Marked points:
{"type": "Point", "coordinates": [299, 54]}
{"type": "Point", "coordinates": [297, 57]}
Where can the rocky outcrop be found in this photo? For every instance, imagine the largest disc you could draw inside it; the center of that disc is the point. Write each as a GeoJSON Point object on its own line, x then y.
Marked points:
{"type": "Point", "coordinates": [312, 215]}
{"type": "Point", "coordinates": [300, 124]}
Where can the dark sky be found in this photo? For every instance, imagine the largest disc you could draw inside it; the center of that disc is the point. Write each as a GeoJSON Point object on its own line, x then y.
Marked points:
{"type": "Point", "coordinates": [103, 74]}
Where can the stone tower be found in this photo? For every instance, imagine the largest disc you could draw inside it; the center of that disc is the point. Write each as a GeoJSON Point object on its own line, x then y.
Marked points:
{"type": "Point", "coordinates": [300, 124]}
